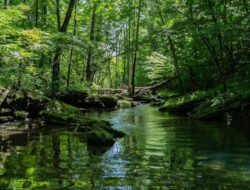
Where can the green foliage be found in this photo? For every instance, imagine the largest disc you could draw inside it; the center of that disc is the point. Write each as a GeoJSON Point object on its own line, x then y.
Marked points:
{"type": "Point", "coordinates": [209, 44]}
{"type": "Point", "coordinates": [159, 68]}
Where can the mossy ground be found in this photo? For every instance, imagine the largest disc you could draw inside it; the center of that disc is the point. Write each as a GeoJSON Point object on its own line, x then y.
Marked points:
{"type": "Point", "coordinates": [213, 103]}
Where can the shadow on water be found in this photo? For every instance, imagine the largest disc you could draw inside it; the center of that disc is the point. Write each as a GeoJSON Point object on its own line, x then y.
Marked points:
{"type": "Point", "coordinates": [160, 152]}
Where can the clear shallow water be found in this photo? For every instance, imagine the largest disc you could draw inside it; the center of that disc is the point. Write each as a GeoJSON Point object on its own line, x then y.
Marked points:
{"type": "Point", "coordinates": [160, 152]}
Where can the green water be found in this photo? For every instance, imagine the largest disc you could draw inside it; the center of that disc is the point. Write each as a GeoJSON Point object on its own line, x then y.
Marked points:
{"type": "Point", "coordinates": [160, 152]}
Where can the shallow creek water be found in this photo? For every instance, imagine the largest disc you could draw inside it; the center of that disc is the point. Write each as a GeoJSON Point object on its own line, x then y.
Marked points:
{"type": "Point", "coordinates": [160, 152]}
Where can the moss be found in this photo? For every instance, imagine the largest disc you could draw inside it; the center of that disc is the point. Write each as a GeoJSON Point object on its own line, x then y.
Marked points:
{"type": "Point", "coordinates": [211, 104]}
{"type": "Point", "coordinates": [57, 112]}
{"type": "Point", "coordinates": [144, 98]}
{"type": "Point", "coordinates": [165, 94]}
{"type": "Point", "coordinates": [185, 104]}
{"type": "Point", "coordinates": [109, 101]}
{"type": "Point", "coordinates": [100, 136]}
{"type": "Point", "coordinates": [219, 107]}
{"type": "Point", "coordinates": [21, 100]}
{"type": "Point", "coordinates": [87, 101]}
{"type": "Point", "coordinates": [125, 103]}
{"type": "Point", "coordinates": [101, 102]}
{"type": "Point", "coordinates": [95, 132]}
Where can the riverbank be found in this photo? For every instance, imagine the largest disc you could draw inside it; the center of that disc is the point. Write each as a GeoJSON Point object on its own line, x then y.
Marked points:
{"type": "Point", "coordinates": [213, 104]}
{"type": "Point", "coordinates": [28, 107]}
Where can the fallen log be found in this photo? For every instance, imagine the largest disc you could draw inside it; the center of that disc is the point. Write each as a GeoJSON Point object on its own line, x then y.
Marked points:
{"type": "Point", "coordinates": [152, 88]}
{"type": "Point", "coordinates": [138, 90]}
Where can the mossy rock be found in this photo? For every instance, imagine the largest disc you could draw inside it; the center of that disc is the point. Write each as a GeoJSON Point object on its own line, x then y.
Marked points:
{"type": "Point", "coordinates": [182, 108]}
{"type": "Point", "coordinates": [25, 101]}
{"type": "Point", "coordinates": [61, 113]}
{"type": "Point", "coordinates": [219, 107]}
{"type": "Point", "coordinates": [100, 136]}
{"type": "Point", "coordinates": [125, 104]}
{"type": "Point", "coordinates": [84, 100]}
{"type": "Point", "coordinates": [185, 104]}
{"type": "Point", "coordinates": [108, 101]}
{"type": "Point", "coordinates": [74, 98]}
{"type": "Point", "coordinates": [95, 132]}
{"type": "Point", "coordinates": [101, 102]}
{"type": "Point", "coordinates": [105, 126]}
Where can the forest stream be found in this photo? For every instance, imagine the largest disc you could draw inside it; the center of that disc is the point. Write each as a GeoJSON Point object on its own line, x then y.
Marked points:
{"type": "Point", "coordinates": [160, 151]}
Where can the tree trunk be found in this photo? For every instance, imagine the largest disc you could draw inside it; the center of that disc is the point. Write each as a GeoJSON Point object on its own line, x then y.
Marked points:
{"type": "Point", "coordinates": [36, 13]}
{"type": "Point", "coordinates": [71, 51]}
{"type": "Point", "coordinates": [220, 42]}
{"type": "Point", "coordinates": [174, 56]}
{"type": "Point", "coordinates": [58, 17]}
{"type": "Point", "coordinates": [129, 49]}
{"type": "Point", "coordinates": [44, 12]}
{"type": "Point", "coordinates": [136, 48]}
{"type": "Point", "coordinates": [175, 62]}
{"type": "Point", "coordinates": [89, 71]}
{"type": "Point", "coordinates": [56, 62]}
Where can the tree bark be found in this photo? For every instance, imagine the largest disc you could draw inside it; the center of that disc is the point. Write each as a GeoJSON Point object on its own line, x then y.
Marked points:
{"type": "Point", "coordinates": [136, 48]}
{"type": "Point", "coordinates": [58, 17]}
{"type": "Point", "coordinates": [56, 62]}
{"type": "Point", "coordinates": [71, 51]}
{"type": "Point", "coordinates": [89, 71]}
{"type": "Point", "coordinates": [36, 13]}
{"type": "Point", "coordinates": [173, 52]}
{"type": "Point", "coordinates": [44, 12]}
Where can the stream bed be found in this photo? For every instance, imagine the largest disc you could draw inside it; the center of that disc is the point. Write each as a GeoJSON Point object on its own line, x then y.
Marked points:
{"type": "Point", "coordinates": [160, 152]}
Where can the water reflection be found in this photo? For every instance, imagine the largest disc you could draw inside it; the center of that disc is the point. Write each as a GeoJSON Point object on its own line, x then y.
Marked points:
{"type": "Point", "coordinates": [160, 152]}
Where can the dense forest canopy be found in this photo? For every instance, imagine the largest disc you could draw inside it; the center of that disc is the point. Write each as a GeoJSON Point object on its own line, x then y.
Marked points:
{"type": "Point", "coordinates": [56, 45]}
